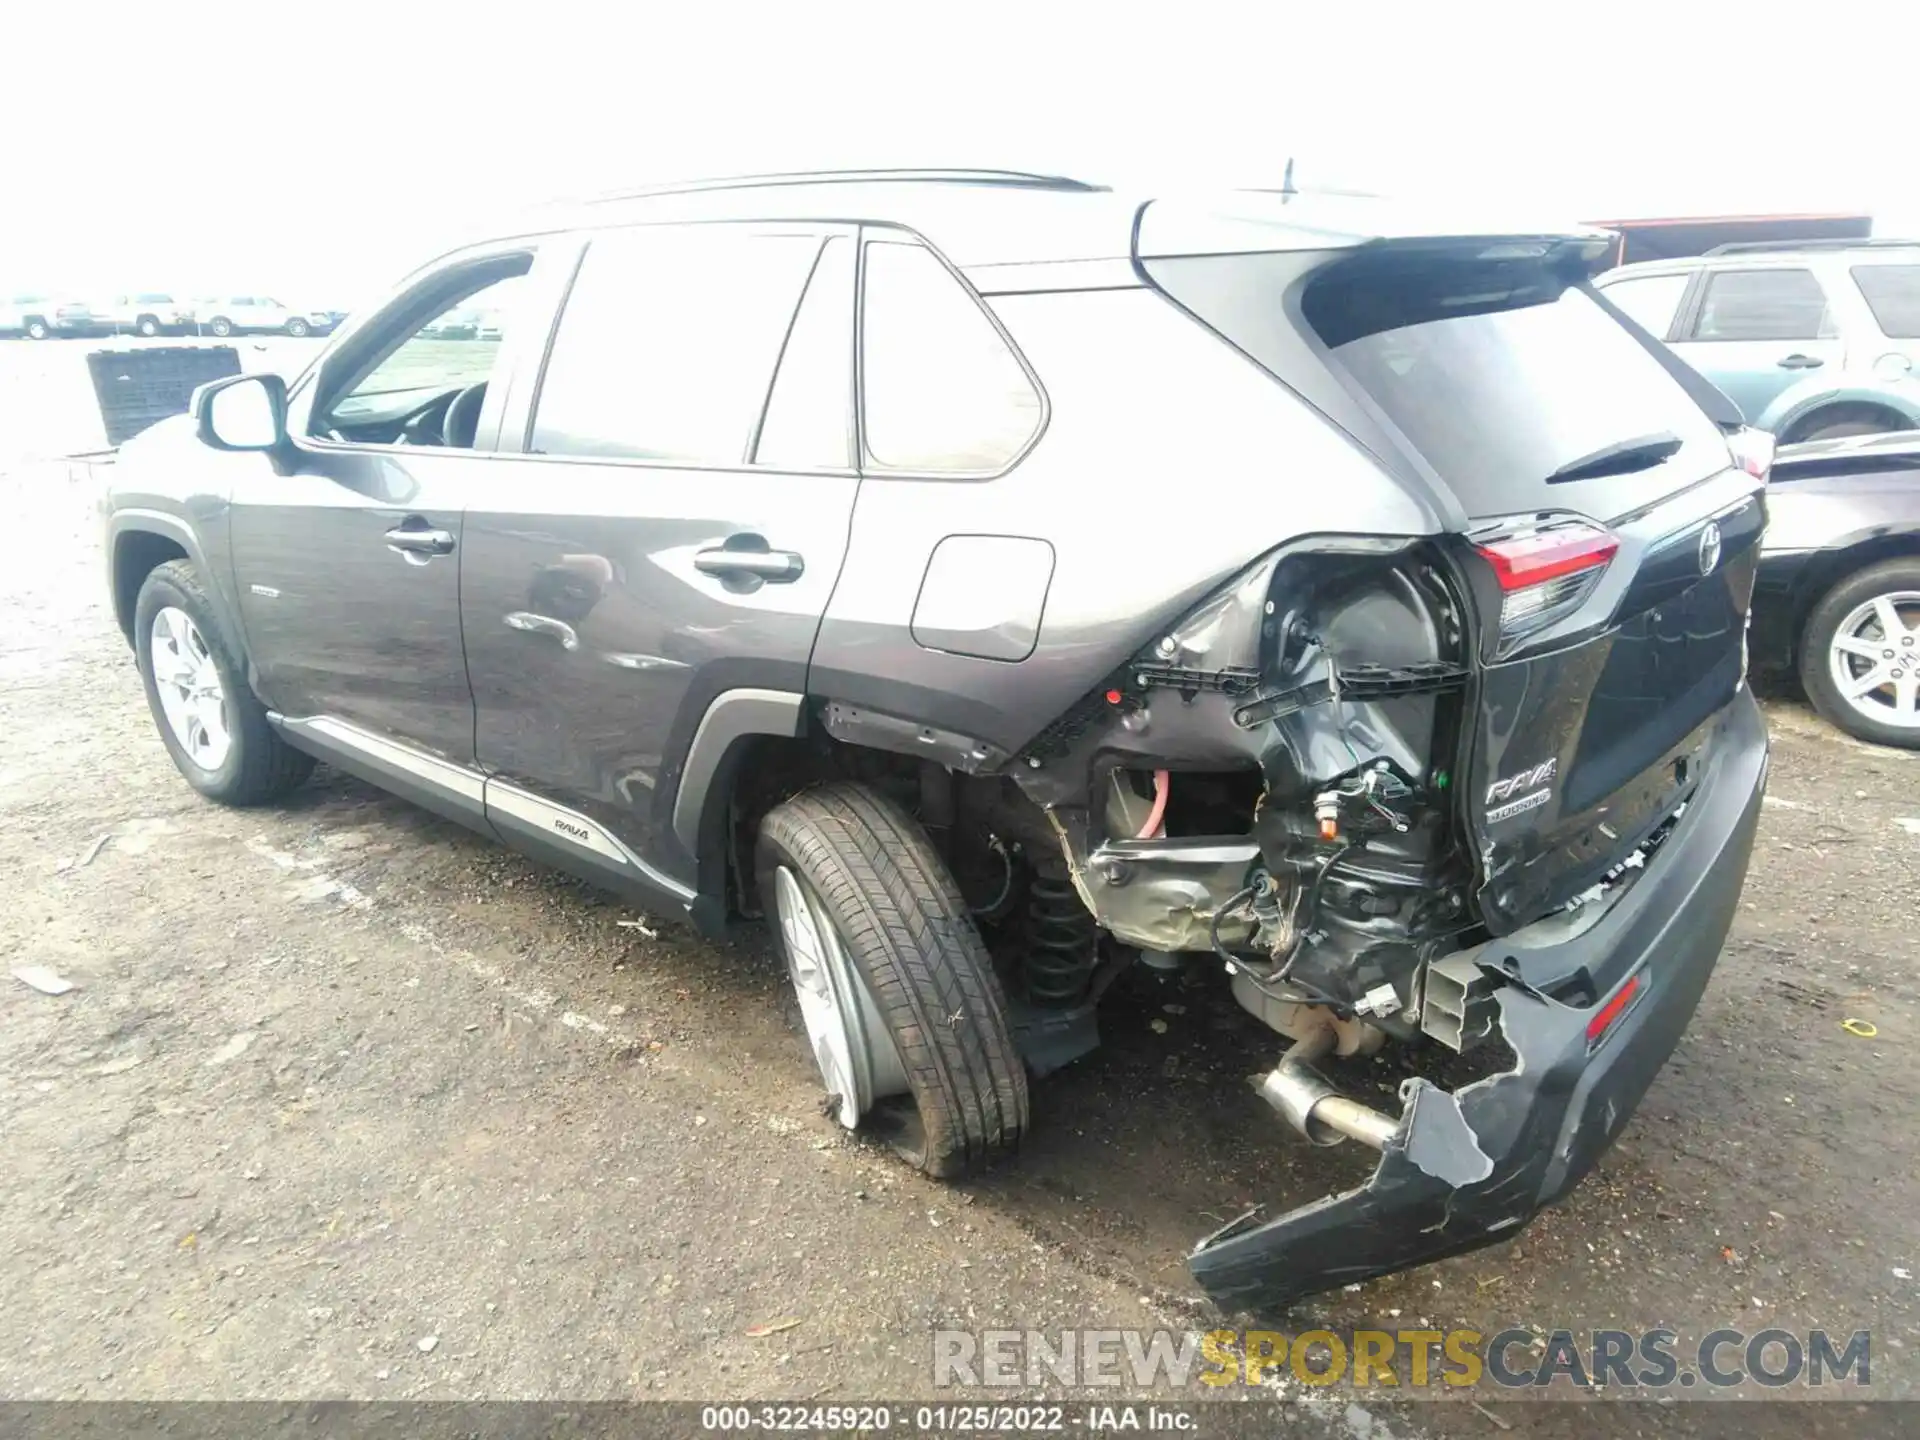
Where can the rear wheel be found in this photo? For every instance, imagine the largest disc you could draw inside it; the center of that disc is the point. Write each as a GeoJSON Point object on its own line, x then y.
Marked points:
{"type": "Point", "coordinates": [297, 328]}
{"type": "Point", "coordinates": [38, 329]}
{"type": "Point", "coordinates": [148, 326]}
{"type": "Point", "coordinates": [1839, 423]}
{"type": "Point", "coordinates": [904, 1014]}
{"type": "Point", "coordinates": [1860, 654]}
{"type": "Point", "coordinates": [220, 326]}
{"type": "Point", "coordinates": [213, 726]}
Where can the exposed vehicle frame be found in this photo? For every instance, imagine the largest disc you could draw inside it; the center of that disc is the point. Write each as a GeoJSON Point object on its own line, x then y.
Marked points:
{"type": "Point", "coordinates": [1231, 653]}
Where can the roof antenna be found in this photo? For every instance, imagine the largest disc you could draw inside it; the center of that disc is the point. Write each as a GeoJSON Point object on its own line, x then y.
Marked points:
{"type": "Point", "coordinates": [1286, 183]}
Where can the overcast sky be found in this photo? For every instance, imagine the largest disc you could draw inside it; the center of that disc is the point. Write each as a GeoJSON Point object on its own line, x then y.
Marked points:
{"type": "Point", "coordinates": [320, 149]}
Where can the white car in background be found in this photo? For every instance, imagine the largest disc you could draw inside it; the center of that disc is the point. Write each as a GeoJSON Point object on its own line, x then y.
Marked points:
{"type": "Point", "coordinates": [42, 317]}
{"type": "Point", "coordinates": [146, 314]}
{"type": "Point", "coordinates": [258, 314]}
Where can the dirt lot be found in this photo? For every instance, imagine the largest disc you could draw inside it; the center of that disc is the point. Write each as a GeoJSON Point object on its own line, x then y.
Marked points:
{"type": "Point", "coordinates": [349, 1102]}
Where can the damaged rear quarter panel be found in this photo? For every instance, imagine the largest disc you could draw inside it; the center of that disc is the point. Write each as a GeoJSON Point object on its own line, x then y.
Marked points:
{"type": "Point", "coordinates": [1169, 463]}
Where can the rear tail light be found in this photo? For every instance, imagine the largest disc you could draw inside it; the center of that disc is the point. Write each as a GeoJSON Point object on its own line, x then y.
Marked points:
{"type": "Point", "coordinates": [1752, 451]}
{"type": "Point", "coordinates": [1545, 574]}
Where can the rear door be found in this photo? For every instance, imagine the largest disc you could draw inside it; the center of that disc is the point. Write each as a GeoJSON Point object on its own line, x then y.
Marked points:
{"type": "Point", "coordinates": [1754, 331]}
{"type": "Point", "coordinates": [671, 530]}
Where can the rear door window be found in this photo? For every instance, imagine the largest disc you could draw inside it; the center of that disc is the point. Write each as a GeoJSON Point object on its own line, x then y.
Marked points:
{"type": "Point", "coordinates": [1650, 301]}
{"type": "Point", "coordinates": [943, 390]}
{"type": "Point", "coordinates": [667, 345]}
{"type": "Point", "coordinates": [809, 419]}
{"type": "Point", "coordinates": [1892, 292]}
{"type": "Point", "coordinates": [1762, 304]}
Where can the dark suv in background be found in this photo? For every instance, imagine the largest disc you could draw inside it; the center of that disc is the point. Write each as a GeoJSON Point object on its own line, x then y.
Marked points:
{"type": "Point", "coordinates": [1813, 341]}
{"type": "Point", "coordinates": [993, 579]}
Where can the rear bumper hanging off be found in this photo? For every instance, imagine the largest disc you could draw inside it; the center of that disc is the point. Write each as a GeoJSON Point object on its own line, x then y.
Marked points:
{"type": "Point", "coordinates": [1465, 1169]}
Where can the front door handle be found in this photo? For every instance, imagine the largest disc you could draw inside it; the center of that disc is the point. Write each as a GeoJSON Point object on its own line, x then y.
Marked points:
{"type": "Point", "coordinates": [419, 543]}
{"type": "Point", "coordinates": [1800, 362]}
{"type": "Point", "coordinates": [533, 624]}
{"type": "Point", "coordinates": [746, 557]}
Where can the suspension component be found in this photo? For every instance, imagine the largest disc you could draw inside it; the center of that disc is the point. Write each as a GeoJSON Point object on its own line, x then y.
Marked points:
{"type": "Point", "coordinates": [1061, 942]}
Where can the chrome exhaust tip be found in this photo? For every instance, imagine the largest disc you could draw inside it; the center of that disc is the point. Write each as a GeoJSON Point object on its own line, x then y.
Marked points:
{"type": "Point", "coordinates": [1312, 1106]}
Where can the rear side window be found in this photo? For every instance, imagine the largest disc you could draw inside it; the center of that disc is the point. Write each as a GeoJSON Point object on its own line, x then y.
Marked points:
{"type": "Point", "coordinates": [1892, 292]}
{"type": "Point", "coordinates": [1650, 301]}
{"type": "Point", "coordinates": [943, 390]}
{"type": "Point", "coordinates": [1762, 305]}
{"type": "Point", "coordinates": [668, 342]}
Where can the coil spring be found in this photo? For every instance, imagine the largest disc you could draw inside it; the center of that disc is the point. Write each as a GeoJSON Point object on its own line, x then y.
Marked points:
{"type": "Point", "coordinates": [1061, 939]}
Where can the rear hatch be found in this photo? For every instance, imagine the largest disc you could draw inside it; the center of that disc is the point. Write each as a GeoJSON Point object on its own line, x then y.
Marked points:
{"type": "Point", "coordinates": [1602, 535]}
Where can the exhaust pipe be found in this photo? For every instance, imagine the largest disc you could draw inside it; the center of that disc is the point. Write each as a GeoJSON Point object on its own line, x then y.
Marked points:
{"type": "Point", "coordinates": [1314, 1107]}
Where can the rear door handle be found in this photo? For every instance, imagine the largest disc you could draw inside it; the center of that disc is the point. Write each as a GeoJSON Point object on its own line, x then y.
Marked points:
{"type": "Point", "coordinates": [534, 624]}
{"type": "Point", "coordinates": [746, 557]}
{"type": "Point", "coordinates": [419, 543]}
{"type": "Point", "coordinates": [1800, 362]}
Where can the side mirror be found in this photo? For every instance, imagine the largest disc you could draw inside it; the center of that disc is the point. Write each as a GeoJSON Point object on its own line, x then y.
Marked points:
{"type": "Point", "coordinates": [242, 412]}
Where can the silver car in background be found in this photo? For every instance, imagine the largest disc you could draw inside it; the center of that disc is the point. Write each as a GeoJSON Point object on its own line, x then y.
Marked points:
{"type": "Point", "coordinates": [1813, 341]}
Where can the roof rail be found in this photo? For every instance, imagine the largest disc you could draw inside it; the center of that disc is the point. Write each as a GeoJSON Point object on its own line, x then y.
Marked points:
{"type": "Point", "coordinates": [1758, 247]}
{"type": "Point", "coordinates": [1021, 179]}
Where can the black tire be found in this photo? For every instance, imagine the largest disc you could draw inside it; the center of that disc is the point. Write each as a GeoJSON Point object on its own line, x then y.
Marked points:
{"type": "Point", "coordinates": [259, 765]}
{"type": "Point", "coordinates": [907, 931]}
{"type": "Point", "coordinates": [1817, 637]}
{"type": "Point", "coordinates": [220, 326]}
{"type": "Point", "coordinates": [298, 328]}
{"type": "Point", "coordinates": [38, 329]}
{"type": "Point", "coordinates": [148, 326]}
{"type": "Point", "coordinates": [1843, 425]}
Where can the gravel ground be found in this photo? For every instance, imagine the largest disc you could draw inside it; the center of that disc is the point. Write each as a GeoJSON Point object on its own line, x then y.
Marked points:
{"type": "Point", "coordinates": [349, 1102]}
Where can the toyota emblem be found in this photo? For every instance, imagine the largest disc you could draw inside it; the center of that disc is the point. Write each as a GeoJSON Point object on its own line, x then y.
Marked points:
{"type": "Point", "coordinates": [1709, 547]}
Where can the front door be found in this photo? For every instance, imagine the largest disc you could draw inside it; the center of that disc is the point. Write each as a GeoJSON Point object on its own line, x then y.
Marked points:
{"type": "Point", "coordinates": [672, 530]}
{"type": "Point", "coordinates": [1756, 331]}
{"type": "Point", "coordinates": [347, 565]}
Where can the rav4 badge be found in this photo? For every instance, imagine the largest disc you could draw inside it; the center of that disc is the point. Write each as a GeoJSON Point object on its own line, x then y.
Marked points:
{"type": "Point", "coordinates": [1526, 785]}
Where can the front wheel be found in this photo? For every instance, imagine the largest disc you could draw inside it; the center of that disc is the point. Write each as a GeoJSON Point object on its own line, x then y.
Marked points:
{"type": "Point", "coordinates": [297, 328]}
{"type": "Point", "coordinates": [903, 1012]}
{"type": "Point", "coordinates": [38, 330]}
{"type": "Point", "coordinates": [220, 326]}
{"type": "Point", "coordinates": [1860, 654]}
{"type": "Point", "coordinates": [148, 326]}
{"type": "Point", "coordinates": [213, 726]}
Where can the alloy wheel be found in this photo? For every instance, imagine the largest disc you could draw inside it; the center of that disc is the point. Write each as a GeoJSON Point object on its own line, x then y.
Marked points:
{"type": "Point", "coordinates": [1875, 659]}
{"type": "Point", "coordinates": [192, 696]}
{"type": "Point", "coordinates": [859, 1063]}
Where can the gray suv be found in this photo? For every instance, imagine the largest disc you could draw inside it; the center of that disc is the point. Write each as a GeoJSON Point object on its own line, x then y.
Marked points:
{"type": "Point", "coordinates": [1812, 341]}
{"type": "Point", "coordinates": [993, 581]}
